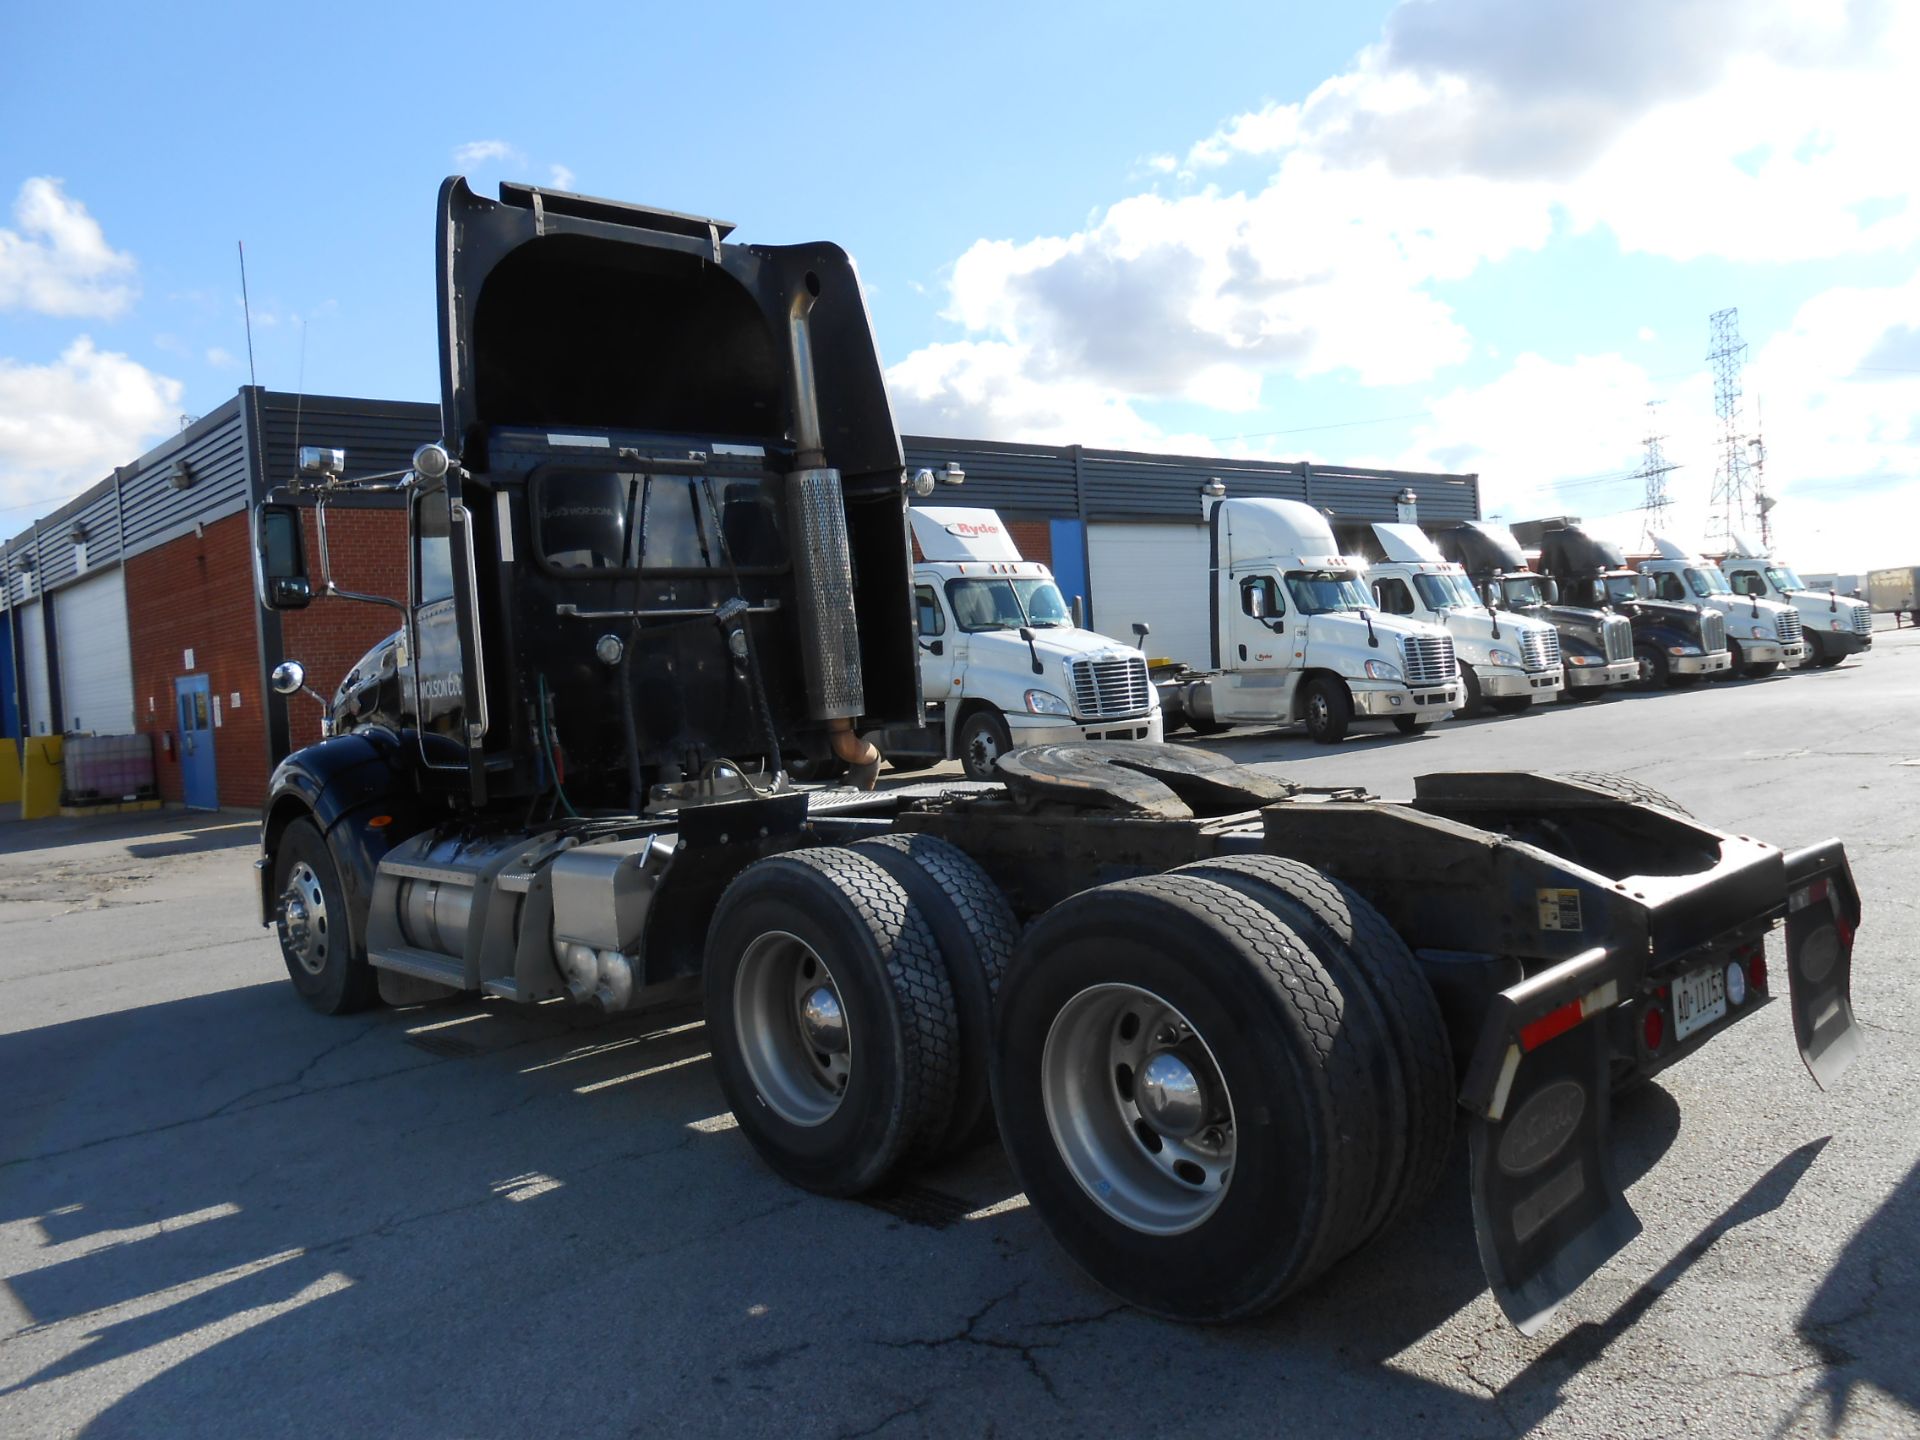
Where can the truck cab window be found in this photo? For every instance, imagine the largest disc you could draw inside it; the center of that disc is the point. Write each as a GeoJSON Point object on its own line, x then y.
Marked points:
{"type": "Point", "coordinates": [1260, 597]}
{"type": "Point", "coordinates": [433, 549]}
{"type": "Point", "coordinates": [932, 620]}
{"type": "Point", "coordinates": [597, 520]}
{"type": "Point", "coordinates": [1393, 595]}
{"type": "Point", "coordinates": [1670, 587]}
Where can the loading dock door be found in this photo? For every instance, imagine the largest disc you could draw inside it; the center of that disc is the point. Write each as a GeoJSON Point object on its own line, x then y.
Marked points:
{"type": "Point", "coordinates": [96, 661]}
{"type": "Point", "coordinates": [1156, 573]}
{"type": "Point", "coordinates": [35, 691]}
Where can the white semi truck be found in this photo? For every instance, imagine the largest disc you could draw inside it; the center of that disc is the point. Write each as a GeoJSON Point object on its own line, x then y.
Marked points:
{"type": "Point", "coordinates": [1296, 637]}
{"type": "Point", "coordinates": [1834, 625]}
{"type": "Point", "coordinates": [1002, 663]}
{"type": "Point", "coordinates": [1506, 660]}
{"type": "Point", "coordinates": [1762, 635]}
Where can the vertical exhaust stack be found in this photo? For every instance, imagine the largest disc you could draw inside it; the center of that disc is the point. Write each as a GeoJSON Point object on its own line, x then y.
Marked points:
{"type": "Point", "coordinates": [823, 569]}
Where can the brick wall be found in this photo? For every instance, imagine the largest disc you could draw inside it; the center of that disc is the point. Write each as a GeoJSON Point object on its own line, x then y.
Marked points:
{"type": "Point", "coordinates": [197, 593]}
{"type": "Point", "coordinates": [368, 549]}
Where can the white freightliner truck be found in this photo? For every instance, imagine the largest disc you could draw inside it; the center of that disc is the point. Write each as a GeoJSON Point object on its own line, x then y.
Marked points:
{"type": "Point", "coordinates": [1002, 663]}
{"type": "Point", "coordinates": [1224, 1023]}
{"type": "Point", "coordinates": [1506, 660]}
{"type": "Point", "coordinates": [1762, 635]}
{"type": "Point", "coordinates": [1296, 636]}
{"type": "Point", "coordinates": [1834, 625]}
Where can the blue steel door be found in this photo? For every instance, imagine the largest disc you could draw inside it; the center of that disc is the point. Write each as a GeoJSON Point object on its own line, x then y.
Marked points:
{"type": "Point", "coordinates": [193, 696]}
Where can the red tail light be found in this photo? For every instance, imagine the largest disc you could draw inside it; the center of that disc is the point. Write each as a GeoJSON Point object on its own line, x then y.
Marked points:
{"type": "Point", "coordinates": [1653, 1028]}
{"type": "Point", "coordinates": [1757, 971]}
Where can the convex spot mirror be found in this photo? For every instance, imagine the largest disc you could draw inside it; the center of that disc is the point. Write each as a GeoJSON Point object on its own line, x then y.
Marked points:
{"type": "Point", "coordinates": [280, 558]}
{"type": "Point", "coordinates": [1552, 588]}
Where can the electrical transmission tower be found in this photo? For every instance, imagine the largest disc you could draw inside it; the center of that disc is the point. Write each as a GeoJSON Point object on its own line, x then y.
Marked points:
{"type": "Point", "coordinates": [1757, 461]}
{"type": "Point", "coordinates": [1729, 510]}
{"type": "Point", "coordinates": [1654, 471]}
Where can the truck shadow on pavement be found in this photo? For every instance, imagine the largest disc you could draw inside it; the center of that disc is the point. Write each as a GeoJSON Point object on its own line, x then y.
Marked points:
{"type": "Point", "coordinates": [171, 832]}
{"type": "Point", "coordinates": [226, 1215]}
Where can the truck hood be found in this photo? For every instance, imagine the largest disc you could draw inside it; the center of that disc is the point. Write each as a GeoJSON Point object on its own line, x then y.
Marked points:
{"type": "Point", "coordinates": [563, 312]}
{"type": "Point", "coordinates": [1346, 627]}
{"type": "Point", "coordinates": [1005, 649]}
{"type": "Point", "coordinates": [1477, 626]}
{"type": "Point", "coordinates": [1818, 607]}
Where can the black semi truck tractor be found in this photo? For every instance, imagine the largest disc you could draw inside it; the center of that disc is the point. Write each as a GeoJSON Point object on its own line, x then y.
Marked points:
{"type": "Point", "coordinates": [1596, 645]}
{"type": "Point", "coordinates": [1674, 644]}
{"type": "Point", "coordinates": [1226, 1026]}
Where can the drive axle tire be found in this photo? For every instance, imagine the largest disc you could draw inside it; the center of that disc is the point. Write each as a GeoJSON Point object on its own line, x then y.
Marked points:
{"type": "Point", "coordinates": [1390, 1002]}
{"type": "Point", "coordinates": [1329, 710]}
{"type": "Point", "coordinates": [1627, 788]}
{"type": "Point", "coordinates": [976, 932]}
{"type": "Point", "coordinates": [982, 738]}
{"type": "Point", "coordinates": [1180, 1098]}
{"type": "Point", "coordinates": [326, 964]}
{"type": "Point", "coordinates": [834, 1029]}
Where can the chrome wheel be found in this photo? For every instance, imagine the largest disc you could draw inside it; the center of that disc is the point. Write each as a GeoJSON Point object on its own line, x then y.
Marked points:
{"type": "Point", "coordinates": [1138, 1109]}
{"type": "Point", "coordinates": [792, 1024]}
{"type": "Point", "coordinates": [303, 919]}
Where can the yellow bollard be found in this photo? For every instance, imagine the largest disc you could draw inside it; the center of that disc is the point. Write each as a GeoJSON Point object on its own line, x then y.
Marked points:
{"type": "Point", "coordinates": [40, 778]}
{"type": "Point", "coordinates": [9, 772]}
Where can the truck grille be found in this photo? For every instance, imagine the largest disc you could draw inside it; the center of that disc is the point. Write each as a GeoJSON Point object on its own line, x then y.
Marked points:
{"type": "Point", "coordinates": [1540, 650]}
{"type": "Point", "coordinates": [1787, 622]}
{"type": "Point", "coordinates": [1862, 620]}
{"type": "Point", "coordinates": [1616, 634]}
{"type": "Point", "coordinates": [1713, 631]}
{"type": "Point", "coordinates": [1429, 659]}
{"type": "Point", "coordinates": [1109, 687]}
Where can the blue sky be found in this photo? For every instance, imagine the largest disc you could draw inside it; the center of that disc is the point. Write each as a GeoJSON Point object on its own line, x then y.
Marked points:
{"type": "Point", "coordinates": [1458, 234]}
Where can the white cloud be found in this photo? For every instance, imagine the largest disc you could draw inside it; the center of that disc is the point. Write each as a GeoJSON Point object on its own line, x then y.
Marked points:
{"type": "Point", "coordinates": [66, 424]}
{"type": "Point", "coordinates": [57, 261]}
{"type": "Point", "coordinates": [1842, 440]}
{"type": "Point", "coordinates": [563, 178]}
{"type": "Point", "coordinates": [1751, 130]}
{"type": "Point", "coordinates": [482, 152]}
{"type": "Point", "coordinates": [220, 358]}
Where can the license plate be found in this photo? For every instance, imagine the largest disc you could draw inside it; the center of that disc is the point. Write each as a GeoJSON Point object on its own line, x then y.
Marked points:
{"type": "Point", "coordinates": [1699, 999]}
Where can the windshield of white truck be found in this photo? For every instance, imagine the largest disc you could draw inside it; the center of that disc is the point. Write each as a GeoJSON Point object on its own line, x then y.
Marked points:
{"type": "Point", "coordinates": [597, 521]}
{"type": "Point", "coordinates": [1318, 592]}
{"type": "Point", "coordinates": [1522, 592]}
{"type": "Point", "coordinates": [1007, 604]}
{"type": "Point", "coordinates": [1447, 592]}
{"type": "Point", "coordinates": [1708, 581]}
{"type": "Point", "coordinates": [1784, 579]}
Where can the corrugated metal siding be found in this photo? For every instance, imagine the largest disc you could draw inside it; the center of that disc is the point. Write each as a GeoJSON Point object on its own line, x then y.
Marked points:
{"type": "Point", "coordinates": [157, 510]}
{"type": "Point", "coordinates": [378, 435]}
{"type": "Point", "coordinates": [1033, 478]}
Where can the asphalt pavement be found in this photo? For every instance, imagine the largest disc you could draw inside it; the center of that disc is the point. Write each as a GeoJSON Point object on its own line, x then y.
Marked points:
{"type": "Point", "coordinates": [222, 1215]}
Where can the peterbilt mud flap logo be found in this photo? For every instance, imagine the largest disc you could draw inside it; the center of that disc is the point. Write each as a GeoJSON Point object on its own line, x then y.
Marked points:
{"type": "Point", "coordinates": [1541, 1128]}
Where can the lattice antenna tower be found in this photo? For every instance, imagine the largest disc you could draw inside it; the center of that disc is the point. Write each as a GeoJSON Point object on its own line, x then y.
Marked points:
{"type": "Point", "coordinates": [1730, 506]}
{"type": "Point", "coordinates": [1654, 469]}
{"type": "Point", "coordinates": [1757, 463]}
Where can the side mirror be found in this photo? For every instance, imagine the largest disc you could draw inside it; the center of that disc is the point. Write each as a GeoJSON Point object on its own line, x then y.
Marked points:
{"type": "Point", "coordinates": [1491, 594]}
{"type": "Point", "coordinates": [280, 558]}
{"type": "Point", "coordinates": [1553, 590]}
{"type": "Point", "coordinates": [1141, 629]}
{"type": "Point", "coordinates": [1256, 602]}
{"type": "Point", "coordinates": [287, 678]}
{"type": "Point", "coordinates": [1644, 584]}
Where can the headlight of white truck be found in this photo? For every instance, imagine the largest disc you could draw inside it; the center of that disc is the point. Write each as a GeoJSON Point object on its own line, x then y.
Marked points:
{"type": "Point", "coordinates": [1763, 632]}
{"type": "Point", "coordinates": [1045, 702]}
{"type": "Point", "coordinates": [1503, 657]}
{"type": "Point", "coordinates": [1382, 670]}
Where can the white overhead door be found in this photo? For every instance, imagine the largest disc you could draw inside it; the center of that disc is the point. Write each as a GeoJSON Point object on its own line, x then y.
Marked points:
{"type": "Point", "coordinates": [96, 662]}
{"type": "Point", "coordinates": [1155, 573]}
{"type": "Point", "coordinates": [33, 670]}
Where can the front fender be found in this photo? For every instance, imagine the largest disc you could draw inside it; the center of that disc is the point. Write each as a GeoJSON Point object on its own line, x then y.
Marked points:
{"type": "Point", "coordinates": [362, 792]}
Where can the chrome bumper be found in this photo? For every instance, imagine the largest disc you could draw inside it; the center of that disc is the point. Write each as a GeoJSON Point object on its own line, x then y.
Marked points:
{"type": "Point", "coordinates": [1586, 677]}
{"type": "Point", "coordinates": [1709, 664]}
{"type": "Point", "coordinates": [1432, 701]}
{"type": "Point", "coordinates": [1502, 683]}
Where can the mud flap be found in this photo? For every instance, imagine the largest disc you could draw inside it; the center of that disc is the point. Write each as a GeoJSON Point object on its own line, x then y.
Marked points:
{"type": "Point", "coordinates": [1823, 911]}
{"type": "Point", "coordinates": [1547, 1210]}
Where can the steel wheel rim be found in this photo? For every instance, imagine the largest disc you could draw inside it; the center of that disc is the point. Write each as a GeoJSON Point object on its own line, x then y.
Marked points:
{"type": "Point", "coordinates": [985, 749]}
{"type": "Point", "coordinates": [1122, 1147]}
{"type": "Point", "coordinates": [1317, 711]}
{"type": "Point", "coordinates": [304, 932]}
{"type": "Point", "coordinates": [785, 1002]}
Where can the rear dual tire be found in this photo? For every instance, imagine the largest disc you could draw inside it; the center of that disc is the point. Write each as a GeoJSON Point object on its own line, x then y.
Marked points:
{"type": "Point", "coordinates": [1294, 1141]}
